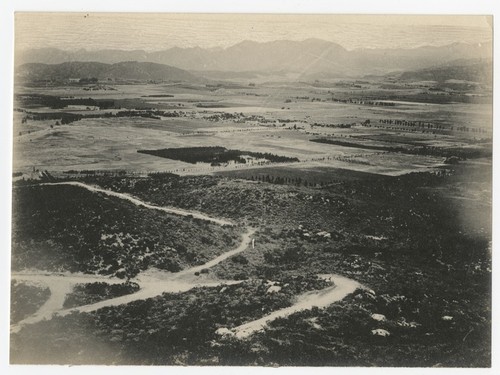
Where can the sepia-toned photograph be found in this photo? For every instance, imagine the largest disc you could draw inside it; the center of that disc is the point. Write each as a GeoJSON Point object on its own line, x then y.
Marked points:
{"type": "Point", "coordinates": [252, 190]}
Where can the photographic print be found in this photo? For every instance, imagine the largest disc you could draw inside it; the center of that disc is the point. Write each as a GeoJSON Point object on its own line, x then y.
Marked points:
{"type": "Point", "coordinates": [252, 190]}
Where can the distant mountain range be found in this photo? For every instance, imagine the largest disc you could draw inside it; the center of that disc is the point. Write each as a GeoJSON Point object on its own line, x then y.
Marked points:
{"type": "Point", "coordinates": [129, 70]}
{"type": "Point", "coordinates": [308, 58]}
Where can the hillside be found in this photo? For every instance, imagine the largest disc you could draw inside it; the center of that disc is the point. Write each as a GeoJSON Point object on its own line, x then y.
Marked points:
{"type": "Point", "coordinates": [129, 70]}
{"type": "Point", "coordinates": [471, 71]}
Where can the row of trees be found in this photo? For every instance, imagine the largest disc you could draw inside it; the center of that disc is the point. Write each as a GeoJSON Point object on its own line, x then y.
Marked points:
{"type": "Point", "coordinates": [364, 102]}
{"type": "Point", "coordinates": [459, 152]}
{"type": "Point", "coordinates": [430, 125]}
{"type": "Point", "coordinates": [297, 181]}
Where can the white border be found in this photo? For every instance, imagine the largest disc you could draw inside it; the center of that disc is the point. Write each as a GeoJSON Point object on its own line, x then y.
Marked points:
{"type": "Point", "coordinates": [478, 7]}
{"type": "Point", "coordinates": [261, 6]}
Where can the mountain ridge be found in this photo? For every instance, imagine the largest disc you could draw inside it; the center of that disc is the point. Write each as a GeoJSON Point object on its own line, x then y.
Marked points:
{"type": "Point", "coordinates": [308, 57]}
{"type": "Point", "coordinates": [126, 70]}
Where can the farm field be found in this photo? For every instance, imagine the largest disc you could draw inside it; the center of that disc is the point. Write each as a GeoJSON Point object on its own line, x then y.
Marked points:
{"type": "Point", "coordinates": [266, 120]}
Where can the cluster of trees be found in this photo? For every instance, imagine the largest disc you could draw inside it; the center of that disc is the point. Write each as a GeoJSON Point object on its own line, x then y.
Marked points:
{"type": "Point", "coordinates": [340, 126]}
{"type": "Point", "coordinates": [98, 87]}
{"type": "Point", "coordinates": [57, 102]}
{"type": "Point", "coordinates": [154, 114]}
{"type": "Point", "coordinates": [88, 80]}
{"type": "Point", "coordinates": [252, 118]}
{"type": "Point", "coordinates": [67, 118]}
{"type": "Point", "coordinates": [61, 117]}
{"type": "Point", "coordinates": [162, 175]}
{"type": "Point", "coordinates": [222, 116]}
{"type": "Point", "coordinates": [158, 96]}
{"type": "Point", "coordinates": [214, 155]}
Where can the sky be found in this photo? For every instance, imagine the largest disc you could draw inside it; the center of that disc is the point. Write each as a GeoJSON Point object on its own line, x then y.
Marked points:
{"type": "Point", "coordinates": [158, 31]}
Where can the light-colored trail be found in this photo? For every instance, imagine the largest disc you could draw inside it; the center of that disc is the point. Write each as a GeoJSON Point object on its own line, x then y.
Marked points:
{"type": "Point", "coordinates": [245, 241]}
{"type": "Point", "coordinates": [321, 298]}
{"type": "Point", "coordinates": [60, 285]}
{"type": "Point", "coordinates": [149, 289]}
{"type": "Point", "coordinates": [151, 285]}
{"type": "Point", "coordinates": [140, 203]}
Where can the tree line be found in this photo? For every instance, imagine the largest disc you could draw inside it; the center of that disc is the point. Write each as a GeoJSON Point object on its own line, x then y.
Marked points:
{"type": "Point", "coordinates": [462, 153]}
{"type": "Point", "coordinates": [68, 117]}
{"type": "Point", "coordinates": [428, 125]}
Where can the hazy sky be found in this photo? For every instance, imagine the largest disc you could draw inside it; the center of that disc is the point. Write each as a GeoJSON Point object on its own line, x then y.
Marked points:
{"type": "Point", "coordinates": [152, 32]}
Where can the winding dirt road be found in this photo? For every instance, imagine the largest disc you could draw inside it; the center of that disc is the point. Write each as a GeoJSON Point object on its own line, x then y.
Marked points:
{"type": "Point", "coordinates": [318, 298]}
{"type": "Point", "coordinates": [60, 285]}
{"type": "Point", "coordinates": [155, 282]}
{"type": "Point", "coordinates": [152, 284]}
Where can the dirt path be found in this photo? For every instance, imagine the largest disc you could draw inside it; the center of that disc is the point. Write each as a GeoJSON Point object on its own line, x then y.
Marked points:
{"type": "Point", "coordinates": [245, 241]}
{"type": "Point", "coordinates": [321, 298]}
{"type": "Point", "coordinates": [151, 285]}
{"type": "Point", "coordinates": [138, 202]}
{"type": "Point", "coordinates": [154, 284]}
{"type": "Point", "coordinates": [59, 285]}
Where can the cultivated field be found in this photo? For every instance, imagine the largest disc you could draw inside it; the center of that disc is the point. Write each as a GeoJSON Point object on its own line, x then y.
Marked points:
{"type": "Point", "coordinates": [268, 117]}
